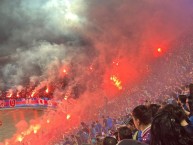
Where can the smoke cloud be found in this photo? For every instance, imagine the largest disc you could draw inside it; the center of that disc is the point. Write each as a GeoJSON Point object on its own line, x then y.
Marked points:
{"type": "Point", "coordinates": [93, 40]}
{"type": "Point", "coordinates": [39, 33]}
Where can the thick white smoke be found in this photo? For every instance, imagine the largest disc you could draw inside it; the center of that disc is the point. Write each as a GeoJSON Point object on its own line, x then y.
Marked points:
{"type": "Point", "coordinates": [35, 34]}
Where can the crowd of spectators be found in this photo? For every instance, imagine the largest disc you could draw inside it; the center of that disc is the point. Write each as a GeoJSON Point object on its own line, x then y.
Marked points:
{"type": "Point", "coordinates": [25, 93]}
{"type": "Point", "coordinates": [168, 123]}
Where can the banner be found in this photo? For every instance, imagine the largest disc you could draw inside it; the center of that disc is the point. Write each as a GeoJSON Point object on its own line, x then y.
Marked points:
{"type": "Point", "coordinates": [12, 102]}
{"type": "Point", "coordinates": [27, 103]}
{"type": "Point", "coordinates": [2, 103]}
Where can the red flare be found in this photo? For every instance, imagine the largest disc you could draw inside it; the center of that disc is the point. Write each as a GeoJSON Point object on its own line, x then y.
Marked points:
{"type": "Point", "coordinates": [48, 121]}
{"type": "Point", "coordinates": [10, 95]}
{"type": "Point", "coordinates": [159, 50]}
{"type": "Point", "coordinates": [68, 117]}
{"type": "Point", "coordinates": [116, 82]}
{"type": "Point", "coordinates": [65, 97]}
{"type": "Point", "coordinates": [33, 93]}
{"type": "Point", "coordinates": [65, 71]}
{"type": "Point", "coordinates": [47, 90]}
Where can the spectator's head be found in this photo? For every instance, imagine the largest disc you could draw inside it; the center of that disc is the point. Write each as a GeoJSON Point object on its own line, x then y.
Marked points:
{"type": "Point", "coordinates": [166, 130]}
{"type": "Point", "coordinates": [93, 125]}
{"type": "Point", "coordinates": [141, 116]}
{"type": "Point", "coordinates": [66, 139]}
{"type": "Point", "coordinates": [177, 111]}
{"type": "Point", "coordinates": [124, 133]}
{"type": "Point", "coordinates": [163, 104]}
{"type": "Point", "coordinates": [146, 102]}
{"type": "Point", "coordinates": [130, 124]}
{"type": "Point", "coordinates": [182, 99]}
{"type": "Point", "coordinates": [99, 140]}
{"type": "Point", "coordinates": [153, 109]}
{"type": "Point", "coordinates": [109, 141]}
{"type": "Point", "coordinates": [82, 123]}
{"type": "Point", "coordinates": [93, 141]}
{"type": "Point", "coordinates": [191, 89]}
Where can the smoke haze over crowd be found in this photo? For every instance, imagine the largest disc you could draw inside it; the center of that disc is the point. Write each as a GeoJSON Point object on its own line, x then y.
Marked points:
{"type": "Point", "coordinates": [91, 39]}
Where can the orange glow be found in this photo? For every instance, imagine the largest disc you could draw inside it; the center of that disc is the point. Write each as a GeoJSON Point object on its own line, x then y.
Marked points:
{"type": "Point", "coordinates": [35, 131]}
{"type": "Point", "coordinates": [19, 138]}
{"type": "Point", "coordinates": [68, 117]}
{"type": "Point", "coordinates": [117, 82]}
{"type": "Point", "coordinates": [47, 90]}
{"type": "Point", "coordinates": [33, 128]}
{"type": "Point", "coordinates": [10, 95]}
{"type": "Point", "coordinates": [65, 71]}
{"type": "Point", "coordinates": [65, 97]}
{"type": "Point", "coordinates": [33, 93]}
{"type": "Point", "coordinates": [36, 128]}
{"type": "Point", "coordinates": [116, 63]}
{"type": "Point", "coordinates": [48, 121]}
{"type": "Point", "coordinates": [159, 50]}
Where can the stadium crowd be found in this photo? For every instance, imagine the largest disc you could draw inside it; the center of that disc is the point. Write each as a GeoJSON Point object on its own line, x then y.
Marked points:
{"type": "Point", "coordinates": [166, 123]}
